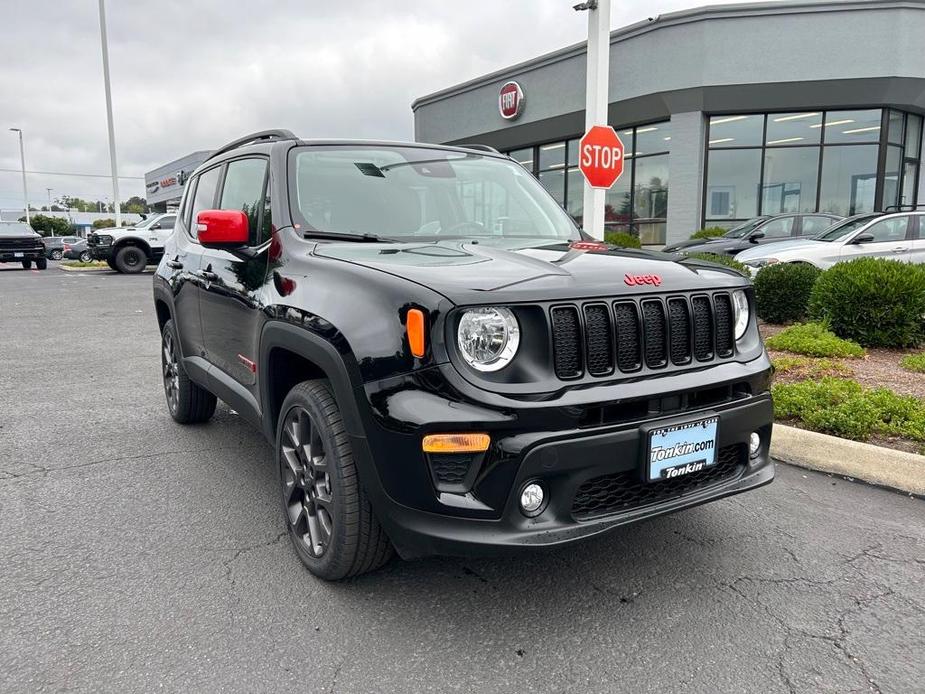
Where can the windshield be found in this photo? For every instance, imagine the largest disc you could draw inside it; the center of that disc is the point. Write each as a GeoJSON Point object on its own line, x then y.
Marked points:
{"type": "Point", "coordinates": [414, 194]}
{"type": "Point", "coordinates": [145, 223]}
{"type": "Point", "coordinates": [15, 229]}
{"type": "Point", "coordinates": [843, 228]}
{"type": "Point", "coordinates": [745, 227]}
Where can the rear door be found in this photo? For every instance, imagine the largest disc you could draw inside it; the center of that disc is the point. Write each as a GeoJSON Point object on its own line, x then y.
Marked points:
{"type": "Point", "coordinates": [892, 238]}
{"type": "Point", "coordinates": [233, 293]}
{"type": "Point", "coordinates": [813, 224]}
{"type": "Point", "coordinates": [918, 244]}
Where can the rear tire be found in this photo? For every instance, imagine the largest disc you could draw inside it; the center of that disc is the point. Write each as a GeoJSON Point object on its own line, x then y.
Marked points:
{"type": "Point", "coordinates": [41, 263]}
{"type": "Point", "coordinates": [327, 513]}
{"type": "Point", "coordinates": [26, 264]}
{"type": "Point", "coordinates": [187, 402]}
{"type": "Point", "coordinates": [57, 254]}
{"type": "Point", "coordinates": [130, 260]}
{"type": "Point", "coordinates": [85, 257]}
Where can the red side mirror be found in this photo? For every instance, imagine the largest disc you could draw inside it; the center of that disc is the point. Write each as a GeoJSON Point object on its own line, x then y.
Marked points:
{"type": "Point", "coordinates": [222, 228]}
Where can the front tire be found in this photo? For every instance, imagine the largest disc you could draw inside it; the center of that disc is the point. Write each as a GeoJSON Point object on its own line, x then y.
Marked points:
{"type": "Point", "coordinates": [187, 402]}
{"type": "Point", "coordinates": [26, 264]}
{"type": "Point", "coordinates": [130, 260]}
{"type": "Point", "coordinates": [57, 254]}
{"type": "Point", "coordinates": [41, 263]}
{"type": "Point", "coordinates": [85, 257]}
{"type": "Point", "coordinates": [328, 515]}
{"type": "Point", "coordinates": [111, 264]}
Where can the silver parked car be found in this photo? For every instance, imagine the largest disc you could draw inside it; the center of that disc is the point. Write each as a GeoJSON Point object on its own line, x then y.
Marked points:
{"type": "Point", "coordinates": [899, 236]}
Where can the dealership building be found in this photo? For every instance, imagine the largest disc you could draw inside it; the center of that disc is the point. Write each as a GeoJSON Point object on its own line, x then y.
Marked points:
{"type": "Point", "coordinates": [164, 185]}
{"type": "Point", "coordinates": [725, 112]}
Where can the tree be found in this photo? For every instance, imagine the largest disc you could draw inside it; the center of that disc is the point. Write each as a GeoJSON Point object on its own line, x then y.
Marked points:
{"type": "Point", "coordinates": [48, 226]}
{"type": "Point", "coordinates": [104, 223]}
{"type": "Point", "coordinates": [76, 204]}
{"type": "Point", "coordinates": [135, 205]}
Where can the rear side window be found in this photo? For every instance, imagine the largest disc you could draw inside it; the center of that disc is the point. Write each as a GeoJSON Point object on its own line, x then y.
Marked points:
{"type": "Point", "coordinates": [167, 222]}
{"type": "Point", "coordinates": [244, 190]}
{"type": "Point", "coordinates": [813, 225]}
{"type": "Point", "coordinates": [778, 228]}
{"type": "Point", "coordinates": [204, 198]}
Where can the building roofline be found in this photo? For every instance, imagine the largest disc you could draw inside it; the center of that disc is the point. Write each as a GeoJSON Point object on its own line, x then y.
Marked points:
{"type": "Point", "coordinates": [672, 19]}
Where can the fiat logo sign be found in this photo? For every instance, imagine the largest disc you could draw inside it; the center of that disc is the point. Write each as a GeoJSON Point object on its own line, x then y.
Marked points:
{"type": "Point", "coordinates": [510, 100]}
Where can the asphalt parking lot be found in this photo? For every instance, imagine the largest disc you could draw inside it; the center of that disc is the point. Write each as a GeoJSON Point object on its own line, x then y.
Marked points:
{"type": "Point", "coordinates": [137, 554]}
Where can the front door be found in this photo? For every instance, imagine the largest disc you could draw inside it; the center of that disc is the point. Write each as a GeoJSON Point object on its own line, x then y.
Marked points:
{"type": "Point", "coordinates": [233, 286]}
{"type": "Point", "coordinates": [892, 239]}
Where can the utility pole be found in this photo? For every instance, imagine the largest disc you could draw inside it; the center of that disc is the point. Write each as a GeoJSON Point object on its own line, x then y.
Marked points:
{"type": "Point", "coordinates": [112, 136]}
{"type": "Point", "coordinates": [49, 198]}
{"type": "Point", "coordinates": [596, 100]}
{"type": "Point", "coordinates": [22, 158]}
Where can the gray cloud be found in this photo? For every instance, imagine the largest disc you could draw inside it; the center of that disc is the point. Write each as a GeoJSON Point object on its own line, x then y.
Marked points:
{"type": "Point", "coordinates": [192, 74]}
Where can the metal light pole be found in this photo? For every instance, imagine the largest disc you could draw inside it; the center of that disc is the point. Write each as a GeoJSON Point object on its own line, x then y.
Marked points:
{"type": "Point", "coordinates": [596, 100]}
{"type": "Point", "coordinates": [49, 198]}
{"type": "Point", "coordinates": [22, 158]}
{"type": "Point", "coordinates": [112, 136]}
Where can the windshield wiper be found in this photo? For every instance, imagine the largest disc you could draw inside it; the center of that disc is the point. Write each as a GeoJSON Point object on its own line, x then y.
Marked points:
{"type": "Point", "coordinates": [357, 238]}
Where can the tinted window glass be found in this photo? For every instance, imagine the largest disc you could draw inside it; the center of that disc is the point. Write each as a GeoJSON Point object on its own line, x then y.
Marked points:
{"type": "Point", "coordinates": [895, 130]}
{"type": "Point", "coordinates": [849, 180]}
{"type": "Point", "coordinates": [913, 135]}
{"type": "Point", "coordinates": [736, 131]}
{"type": "Point", "coordinates": [205, 196]}
{"type": "Point", "coordinates": [732, 184]}
{"type": "Point", "coordinates": [813, 225]}
{"type": "Point", "coordinates": [554, 182]}
{"type": "Point", "coordinates": [842, 229]}
{"type": "Point", "coordinates": [167, 222]}
{"type": "Point", "coordinates": [653, 138]}
{"type": "Point", "coordinates": [524, 157]}
{"type": "Point", "coordinates": [852, 126]}
{"type": "Point", "coordinates": [243, 190]}
{"type": "Point", "coordinates": [650, 195]}
{"type": "Point", "coordinates": [893, 229]}
{"type": "Point", "coordinates": [794, 128]}
{"type": "Point", "coordinates": [790, 176]}
{"type": "Point", "coordinates": [552, 156]}
{"type": "Point", "coordinates": [777, 228]}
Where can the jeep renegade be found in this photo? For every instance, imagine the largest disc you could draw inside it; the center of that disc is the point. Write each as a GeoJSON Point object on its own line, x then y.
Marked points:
{"type": "Point", "coordinates": [443, 361]}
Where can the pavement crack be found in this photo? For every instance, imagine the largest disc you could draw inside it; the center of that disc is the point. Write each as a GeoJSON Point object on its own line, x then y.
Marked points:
{"type": "Point", "coordinates": [337, 670]}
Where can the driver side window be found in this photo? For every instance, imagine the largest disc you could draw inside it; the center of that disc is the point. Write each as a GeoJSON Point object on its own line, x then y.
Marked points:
{"type": "Point", "coordinates": [887, 230]}
{"type": "Point", "coordinates": [777, 228]}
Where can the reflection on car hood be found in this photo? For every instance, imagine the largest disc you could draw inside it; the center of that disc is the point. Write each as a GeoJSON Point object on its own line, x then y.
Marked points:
{"type": "Point", "coordinates": [469, 272]}
{"type": "Point", "coordinates": [769, 250]}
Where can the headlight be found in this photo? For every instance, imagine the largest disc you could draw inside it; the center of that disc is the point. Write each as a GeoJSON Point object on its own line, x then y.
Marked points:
{"type": "Point", "coordinates": [740, 313]}
{"type": "Point", "coordinates": [488, 338]}
{"type": "Point", "coordinates": [103, 240]}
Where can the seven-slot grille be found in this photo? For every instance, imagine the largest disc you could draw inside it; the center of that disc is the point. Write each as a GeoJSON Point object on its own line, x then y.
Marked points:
{"type": "Point", "coordinates": [602, 337]}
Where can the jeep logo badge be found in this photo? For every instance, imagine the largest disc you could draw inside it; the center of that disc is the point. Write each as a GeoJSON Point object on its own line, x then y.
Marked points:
{"type": "Point", "coordinates": [634, 280]}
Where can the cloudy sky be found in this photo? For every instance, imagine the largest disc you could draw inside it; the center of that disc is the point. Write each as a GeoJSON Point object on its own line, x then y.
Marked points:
{"type": "Point", "coordinates": [193, 74]}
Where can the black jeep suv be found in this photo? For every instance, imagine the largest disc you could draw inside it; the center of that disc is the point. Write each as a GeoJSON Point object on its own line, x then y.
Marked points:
{"type": "Point", "coordinates": [443, 361]}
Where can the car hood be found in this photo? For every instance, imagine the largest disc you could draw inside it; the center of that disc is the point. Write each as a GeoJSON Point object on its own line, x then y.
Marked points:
{"type": "Point", "coordinates": [467, 272]}
{"type": "Point", "coordinates": [770, 250]}
{"type": "Point", "coordinates": [719, 245]}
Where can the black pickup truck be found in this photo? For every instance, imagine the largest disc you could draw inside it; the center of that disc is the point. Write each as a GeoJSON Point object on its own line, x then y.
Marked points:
{"type": "Point", "coordinates": [443, 361]}
{"type": "Point", "coordinates": [20, 244]}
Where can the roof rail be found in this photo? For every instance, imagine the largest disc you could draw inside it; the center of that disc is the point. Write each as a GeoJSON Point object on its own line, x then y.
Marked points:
{"type": "Point", "coordinates": [262, 136]}
{"type": "Point", "coordinates": [905, 207]}
{"type": "Point", "coordinates": [480, 148]}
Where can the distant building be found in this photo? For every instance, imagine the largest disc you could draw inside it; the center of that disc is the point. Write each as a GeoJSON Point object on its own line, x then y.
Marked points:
{"type": "Point", "coordinates": [82, 221]}
{"type": "Point", "coordinates": [164, 185]}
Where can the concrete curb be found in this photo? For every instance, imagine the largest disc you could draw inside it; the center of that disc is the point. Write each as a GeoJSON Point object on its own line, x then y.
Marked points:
{"type": "Point", "coordinates": [863, 461]}
{"type": "Point", "coordinates": [67, 268]}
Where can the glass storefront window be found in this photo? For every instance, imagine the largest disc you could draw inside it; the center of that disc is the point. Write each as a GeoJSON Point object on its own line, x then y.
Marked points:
{"type": "Point", "coordinates": [910, 172]}
{"type": "Point", "coordinates": [895, 128]}
{"type": "Point", "coordinates": [891, 173]}
{"type": "Point", "coordinates": [524, 157]}
{"type": "Point", "coordinates": [849, 180]}
{"type": "Point", "coordinates": [552, 156]}
{"type": "Point", "coordinates": [913, 136]}
{"type": "Point", "coordinates": [733, 179]}
{"type": "Point", "coordinates": [576, 194]}
{"type": "Point", "coordinates": [790, 178]}
{"type": "Point", "coordinates": [650, 198]}
{"type": "Point", "coordinates": [652, 139]}
{"type": "Point", "coordinates": [852, 126]}
{"type": "Point", "coordinates": [794, 128]}
{"type": "Point", "coordinates": [618, 204]}
{"type": "Point", "coordinates": [736, 131]}
{"type": "Point", "coordinates": [572, 149]}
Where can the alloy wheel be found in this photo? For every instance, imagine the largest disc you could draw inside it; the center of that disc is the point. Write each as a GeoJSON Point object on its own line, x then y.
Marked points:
{"type": "Point", "coordinates": [306, 482]}
{"type": "Point", "coordinates": [57, 255]}
{"type": "Point", "coordinates": [171, 372]}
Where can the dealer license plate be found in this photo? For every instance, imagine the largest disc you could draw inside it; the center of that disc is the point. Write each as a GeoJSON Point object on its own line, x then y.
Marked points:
{"type": "Point", "coordinates": [681, 449]}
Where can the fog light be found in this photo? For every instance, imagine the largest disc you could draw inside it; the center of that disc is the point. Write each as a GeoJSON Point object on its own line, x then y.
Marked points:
{"type": "Point", "coordinates": [754, 444]}
{"type": "Point", "coordinates": [532, 497]}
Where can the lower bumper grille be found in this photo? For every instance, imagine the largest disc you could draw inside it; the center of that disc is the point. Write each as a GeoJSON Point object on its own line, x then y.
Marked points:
{"type": "Point", "coordinates": [623, 491]}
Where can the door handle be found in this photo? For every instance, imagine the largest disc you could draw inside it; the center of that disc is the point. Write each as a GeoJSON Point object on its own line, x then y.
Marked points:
{"type": "Point", "coordinates": [174, 264]}
{"type": "Point", "coordinates": [207, 275]}
{"type": "Point", "coordinates": [900, 249]}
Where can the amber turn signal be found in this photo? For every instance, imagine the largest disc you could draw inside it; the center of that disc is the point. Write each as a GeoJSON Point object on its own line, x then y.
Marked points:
{"type": "Point", "coordinates": [414, 324]}
{"type": "Point", "coordinates": [456, 443]}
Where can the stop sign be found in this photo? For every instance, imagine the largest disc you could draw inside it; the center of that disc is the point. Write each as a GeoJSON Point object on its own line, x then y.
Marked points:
{"type": "Point", "coordinates": [601, 156]}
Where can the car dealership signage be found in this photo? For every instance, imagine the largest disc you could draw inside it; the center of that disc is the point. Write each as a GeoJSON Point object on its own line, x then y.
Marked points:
{"type": "Point", "coordinates": [511, 100]}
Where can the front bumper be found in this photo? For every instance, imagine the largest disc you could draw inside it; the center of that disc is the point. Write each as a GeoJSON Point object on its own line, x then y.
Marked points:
{"type": "Point", "coordinates": [11, 256]}
{"type": "Point", "coordinates": [100, 252]}
{"type": "Point", "coordinates": [593, 477]}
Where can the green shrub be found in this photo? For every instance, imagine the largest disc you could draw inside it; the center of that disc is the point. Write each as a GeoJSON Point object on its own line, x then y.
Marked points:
{"type": "Point", "coordinates": [913, 362]}
{"type": "Point", "coordinates": [726, 260]}
{"type": "Point", "coordinates": [841, 407]}
{"type": "Point", "coordinates": [874, 301]}
{"type": "Point", "coordinates": [782, 291]}
{"type": "Point", "coordinates": [621, 238]}
{"type": "Point", "coordinates": [814, 340]}
{"type": "Point", "coordinates": [708, 233]}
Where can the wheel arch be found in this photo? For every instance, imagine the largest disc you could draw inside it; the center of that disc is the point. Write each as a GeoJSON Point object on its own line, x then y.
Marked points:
{"type": "Point", "coordinates": [131, 241]}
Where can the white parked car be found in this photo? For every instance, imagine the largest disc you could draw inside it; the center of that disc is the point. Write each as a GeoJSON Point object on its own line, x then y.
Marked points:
{"type": "Point", "coordinates": [898, 236]}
